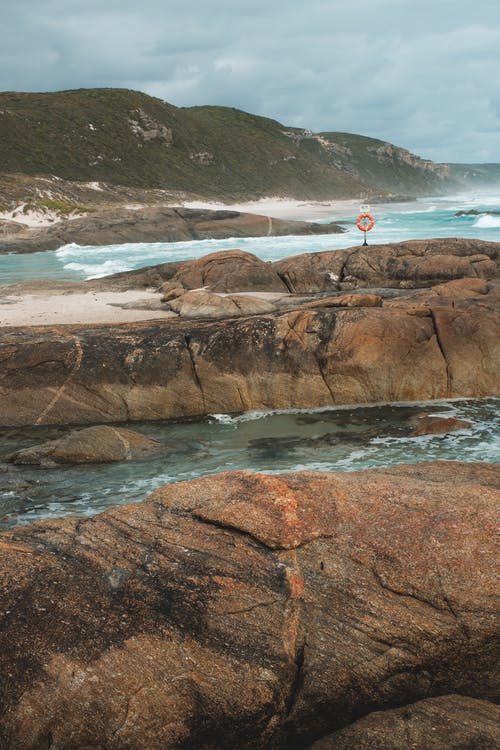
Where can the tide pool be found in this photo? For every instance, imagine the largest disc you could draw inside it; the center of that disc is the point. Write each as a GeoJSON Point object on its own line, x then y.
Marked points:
{"type": "Point", "coordinates": [342, 439]}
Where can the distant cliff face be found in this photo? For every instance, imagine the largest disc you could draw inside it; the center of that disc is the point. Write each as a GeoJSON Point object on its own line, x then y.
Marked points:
{"type": "Point", "coordinates": [127, 138]}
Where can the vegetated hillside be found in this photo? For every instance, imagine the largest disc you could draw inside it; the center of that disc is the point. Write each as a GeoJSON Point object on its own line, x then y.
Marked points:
{"type": "Point", "coordinates": [128, 138]}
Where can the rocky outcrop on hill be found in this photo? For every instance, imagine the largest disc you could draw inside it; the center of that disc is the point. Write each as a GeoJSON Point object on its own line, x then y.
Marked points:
{"type": "Point", "coordinates": [154, 224]}
{"type": "Point", "coordinates": [252, 611]}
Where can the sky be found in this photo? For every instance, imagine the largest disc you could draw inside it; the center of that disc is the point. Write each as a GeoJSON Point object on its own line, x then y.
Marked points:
{"type": "Point", "coordinates": [422, 74]}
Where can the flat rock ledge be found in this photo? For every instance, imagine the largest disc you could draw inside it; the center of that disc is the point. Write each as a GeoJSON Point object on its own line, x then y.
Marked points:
{"type": "Point", "coordinates": [412, 348]}
{"type": "Point", "coordinates": [331, 611]}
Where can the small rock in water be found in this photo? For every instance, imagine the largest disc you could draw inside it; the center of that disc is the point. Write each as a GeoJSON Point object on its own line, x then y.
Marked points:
{"type": "Point", "coordinates": [428, 425]}
{"type": "Point", "coordinates": [100, 444]}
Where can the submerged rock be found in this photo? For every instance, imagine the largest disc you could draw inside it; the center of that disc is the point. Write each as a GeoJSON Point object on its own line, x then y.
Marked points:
{"type": "Point", "coordinates": [251, 611]}
{"type": "Point", "coordinates": [99, 444]}
{"type": "Point", "coordinates": [428, 425]}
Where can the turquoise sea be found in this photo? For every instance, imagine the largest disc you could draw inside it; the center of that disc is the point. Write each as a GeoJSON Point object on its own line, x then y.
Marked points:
{"type": "Point", "coordinates": [424, 218]}
{"type": "Point", "coordinates": [340, 439]}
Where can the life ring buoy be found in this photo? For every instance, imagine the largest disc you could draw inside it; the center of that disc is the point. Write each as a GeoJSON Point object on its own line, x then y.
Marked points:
{"type": "Point", "coordinates": [365, 222]}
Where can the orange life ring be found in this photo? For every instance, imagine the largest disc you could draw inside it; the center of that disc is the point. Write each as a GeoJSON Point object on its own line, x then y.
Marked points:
{"type": "Point", "coordinates": [361, 222]}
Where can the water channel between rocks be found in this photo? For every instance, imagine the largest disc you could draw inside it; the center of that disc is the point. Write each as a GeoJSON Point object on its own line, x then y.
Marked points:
{"type": "Point", "coordinates": [341, 439]}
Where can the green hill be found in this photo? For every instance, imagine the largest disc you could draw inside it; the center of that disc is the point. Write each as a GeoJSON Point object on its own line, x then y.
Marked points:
{"type": "Point", "coordinates": [128, 138]}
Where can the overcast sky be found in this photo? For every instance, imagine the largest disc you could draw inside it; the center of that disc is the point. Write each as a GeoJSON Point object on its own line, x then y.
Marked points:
{"type": "Point", "coordinates": [423, 74]}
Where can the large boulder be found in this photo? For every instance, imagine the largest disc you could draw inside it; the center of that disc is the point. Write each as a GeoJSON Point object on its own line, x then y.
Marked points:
{"type": "Point", "coordinates": [99, 444]}
{"type": "Point", "coordinates": [228, 271]}
{"type": "Point", "coordinates": [251, 611]}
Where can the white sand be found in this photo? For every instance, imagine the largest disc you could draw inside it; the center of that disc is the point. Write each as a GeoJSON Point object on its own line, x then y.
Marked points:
{"type": "Point", "coordinates": [91, 307]}
{"type": "Point", "coordinates": [287, 208]}
{"type": "Point", "coordinates": [34, 218]}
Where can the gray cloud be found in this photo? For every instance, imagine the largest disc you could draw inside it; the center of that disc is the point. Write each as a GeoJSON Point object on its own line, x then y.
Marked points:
{"type": "Point", "coordinates": [422, 75]}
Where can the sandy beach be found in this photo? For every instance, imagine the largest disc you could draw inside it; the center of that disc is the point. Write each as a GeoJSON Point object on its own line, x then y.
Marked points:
{"type": "Point", "coordinates": [53, 308]}
{"type": "Point", "coordinates": [288, 208]}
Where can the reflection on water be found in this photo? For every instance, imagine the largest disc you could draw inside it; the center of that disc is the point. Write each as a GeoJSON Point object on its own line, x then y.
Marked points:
{"type": "Point", "coordinates": [327, 440]}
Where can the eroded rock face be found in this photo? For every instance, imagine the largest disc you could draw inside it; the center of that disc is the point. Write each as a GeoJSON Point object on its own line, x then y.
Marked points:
{"type": "Point", "coordinates": [407, 265]}
{"type": "Point", "coordinates": [250, 611]}
{"type": "Point", "coordinates": [100, 444]}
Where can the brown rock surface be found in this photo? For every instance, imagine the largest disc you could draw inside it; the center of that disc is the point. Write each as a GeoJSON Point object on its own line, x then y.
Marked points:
{"type": "Point", "coordinates": [228, 271]}
{"type": "Point", "coordinates": [99, 444]}
{"type": "Point", "coordinates": [345, 300]}
{"type": "Point", "coordinates": [203, 304]}
{"type": "Point", "coordinates": [450, 722]}
{"type": "Point", "coordinates": [412, 264]}
{"type": "Point", "coordinates": [250, 611]}
{"type": "Point", "coordinates": [302, 358]}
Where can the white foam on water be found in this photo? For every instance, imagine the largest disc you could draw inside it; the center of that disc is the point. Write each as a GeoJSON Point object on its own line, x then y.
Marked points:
{"type": "Point", "coordinates": [98, 270]}
{"type": "Point", "coordinates": [487, 222]}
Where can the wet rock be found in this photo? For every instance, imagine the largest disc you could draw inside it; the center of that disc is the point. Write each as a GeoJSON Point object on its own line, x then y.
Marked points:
{"type": "Point", "coordinates": [428, 425]}
{"type": "Point", "coordinates": [449, 722]}
{"type": "Point", "coordinates": [99, 444]}
{"type": "Point", "coordinates": [253, 611]}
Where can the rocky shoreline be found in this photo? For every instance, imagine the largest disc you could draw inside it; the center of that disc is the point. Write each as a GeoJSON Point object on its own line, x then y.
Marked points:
{"type": "Point", "coordinates": [306, 611]}
{"type": "Point", "coordinates": [391, 323]}
{"type": "Point", "coordinates": [151, 224]}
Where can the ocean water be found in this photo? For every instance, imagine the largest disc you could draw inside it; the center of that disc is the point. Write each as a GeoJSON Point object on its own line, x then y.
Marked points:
{"type": "Point", "coordinates": [341, 439]}
{"type": "Point", "coordinates": [425, 218]}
